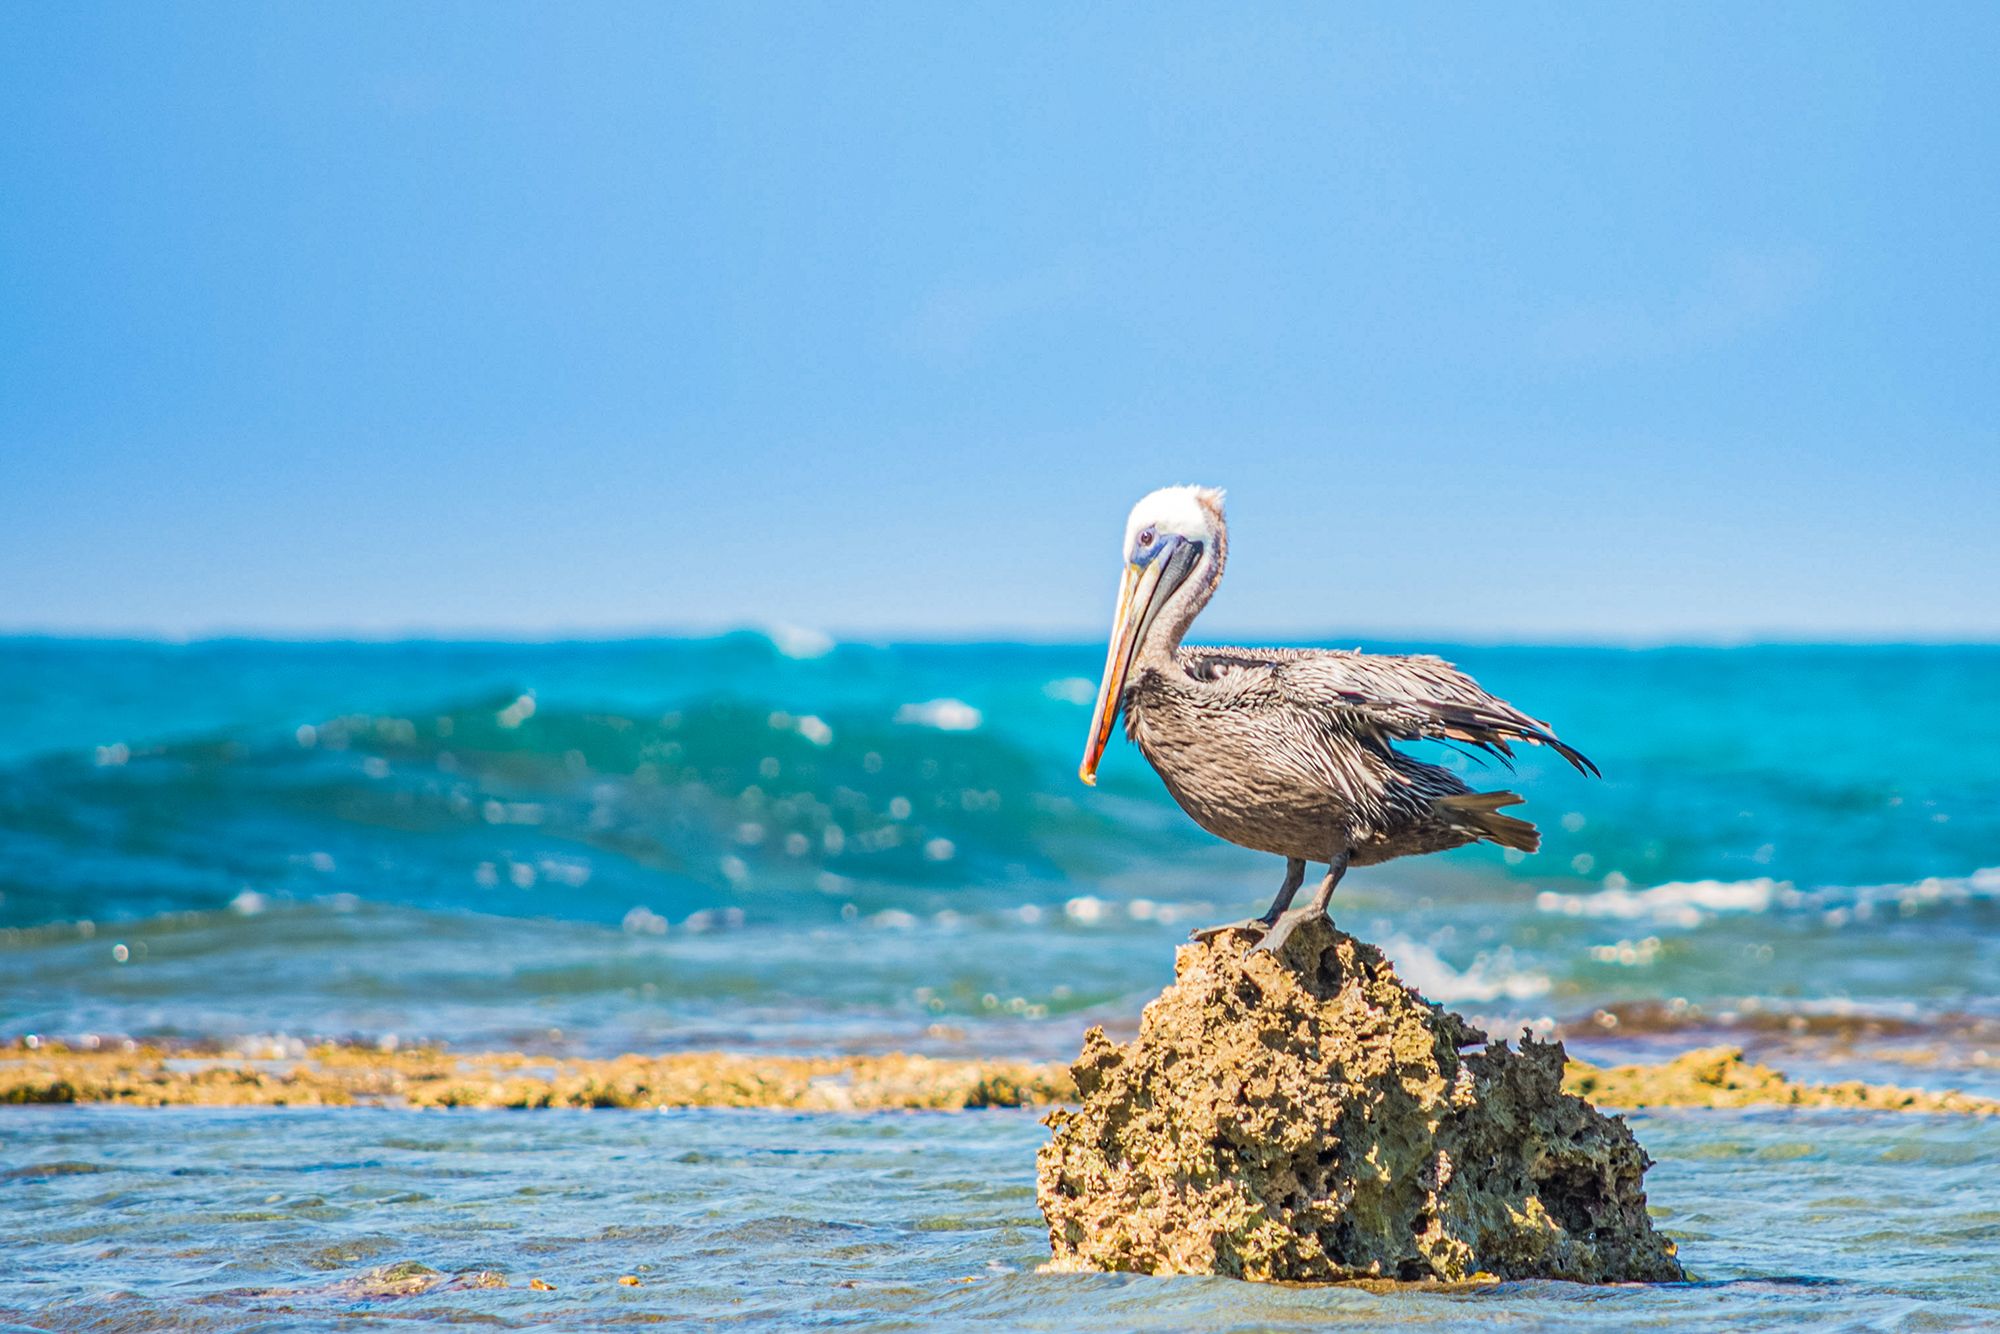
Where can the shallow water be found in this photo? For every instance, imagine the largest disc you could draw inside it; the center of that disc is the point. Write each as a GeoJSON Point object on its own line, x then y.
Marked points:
{"type": "Point", "coordinates": [215, 1220]}
{"type": "Point", "coordinates": [772, 843]}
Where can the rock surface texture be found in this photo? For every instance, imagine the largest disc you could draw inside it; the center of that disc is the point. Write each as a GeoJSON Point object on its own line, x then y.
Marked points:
{"type": "Point", "coordinates": [1307, 1117]}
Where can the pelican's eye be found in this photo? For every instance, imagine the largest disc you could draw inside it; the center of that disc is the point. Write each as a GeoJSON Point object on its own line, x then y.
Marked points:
{"type": "Point", "coordinates": [1147, 538]}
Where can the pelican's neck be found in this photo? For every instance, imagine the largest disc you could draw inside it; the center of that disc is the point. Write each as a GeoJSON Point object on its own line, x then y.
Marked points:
{"type": "Point", "coordinates": [1185, 603]}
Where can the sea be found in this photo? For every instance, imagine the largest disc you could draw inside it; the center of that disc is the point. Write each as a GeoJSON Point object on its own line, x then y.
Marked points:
{"type": "Point", "coordinates": [773, 841]}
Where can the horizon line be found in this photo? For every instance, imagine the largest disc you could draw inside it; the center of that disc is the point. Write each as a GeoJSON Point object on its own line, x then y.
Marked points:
{"type": "Point", "coordinates": [805, 642]}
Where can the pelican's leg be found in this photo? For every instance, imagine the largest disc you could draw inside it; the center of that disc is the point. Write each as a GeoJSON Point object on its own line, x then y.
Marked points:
{"type": "Point", "coordinates": [1295, 875]}
{"type": "Point", "coordinates": [1281, 930]}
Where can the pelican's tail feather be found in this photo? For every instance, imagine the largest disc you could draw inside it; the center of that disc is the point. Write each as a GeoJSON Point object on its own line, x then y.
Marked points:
{"type": "Point", "coordinates": [1479, 813]}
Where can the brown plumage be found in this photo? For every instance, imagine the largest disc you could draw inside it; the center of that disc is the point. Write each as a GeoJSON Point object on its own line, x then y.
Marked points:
{"type": "Point", "coordinates": [1292, 751]}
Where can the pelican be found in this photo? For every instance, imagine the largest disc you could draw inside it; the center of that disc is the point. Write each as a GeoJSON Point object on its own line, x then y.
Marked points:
{"type": "Point", "coordinates": [1286, 750]}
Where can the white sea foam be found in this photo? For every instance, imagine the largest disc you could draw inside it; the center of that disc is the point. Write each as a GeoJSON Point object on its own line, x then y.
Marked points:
{"type": "Point", "coordinates": [713, 919]}
{"type": "Point", "coordinates": [1489, 977]}
{"type": "Point", "coordinates": [643, 921]}
{"type": "Point", "coordinates": [1629, 953]}
{"type": "Point", "coordinates": [947, 715]}
{"type": "Point", "coordinates": [1688, 904]}
{"type": "Point", "coordinates": [1685, 903]}
{"type": "Point", "coordinates": [798, 641]}
{"type": "Point", "coordinates": [1071, 690]}
{"type": "Point", "coordinates": [564, 871]}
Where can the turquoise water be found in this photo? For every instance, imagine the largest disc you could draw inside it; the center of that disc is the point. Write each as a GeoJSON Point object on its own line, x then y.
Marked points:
{"type": "Point", "coordinates": [124, 1218]}
{"type": "Point", "coordinates": [691, 842]}
{"type": "Point", "coordinates": [776, 843]}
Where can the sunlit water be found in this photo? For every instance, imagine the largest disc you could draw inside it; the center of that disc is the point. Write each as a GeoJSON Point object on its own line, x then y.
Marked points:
{"type": "Point", "coordinates": [134, 1219]}
{"type": "Point", "coordinates": [774, 843]}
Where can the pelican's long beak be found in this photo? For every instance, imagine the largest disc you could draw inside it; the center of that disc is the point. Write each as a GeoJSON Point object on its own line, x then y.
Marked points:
{"type": "Point", "coordinates": [1135, 600]}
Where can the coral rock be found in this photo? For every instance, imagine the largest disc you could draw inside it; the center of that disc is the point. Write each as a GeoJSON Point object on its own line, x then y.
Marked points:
{"type": "Point", "coordinates": [1308, 1117]}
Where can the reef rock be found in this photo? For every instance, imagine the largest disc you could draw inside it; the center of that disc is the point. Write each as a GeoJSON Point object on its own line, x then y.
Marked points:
{"type": "Point", "coordinates": [1308, 1117]}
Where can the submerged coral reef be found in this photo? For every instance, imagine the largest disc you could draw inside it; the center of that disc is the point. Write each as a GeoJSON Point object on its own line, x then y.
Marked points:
{"type": "Point", "coordinates": [264, 1074]}
{"type": "Point", "coordinates": [1306, 1116]}
{"type": "Point", "coordinates": [333, 1075]}
{"type": "Point", "coordinates": [1721, 1077]}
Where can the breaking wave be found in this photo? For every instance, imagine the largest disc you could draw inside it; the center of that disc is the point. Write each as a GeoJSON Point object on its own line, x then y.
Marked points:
{"type": "Point", "coordinates": [1489, 977]}
{"type": "Point", "coordinates": [1689, 904]}
{"type": "Point", "coordinates": [509, 804]}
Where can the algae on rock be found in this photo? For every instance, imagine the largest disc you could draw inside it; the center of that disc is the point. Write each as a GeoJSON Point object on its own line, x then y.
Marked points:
{"type": "Point", "coordinates": [1308, 1117]}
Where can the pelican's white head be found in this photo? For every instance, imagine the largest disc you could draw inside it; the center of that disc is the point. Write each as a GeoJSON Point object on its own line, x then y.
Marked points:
{"type": "Point", "coordinates": [1191, 513]}
{"type": "Point", "coordinates": [1172, 533]}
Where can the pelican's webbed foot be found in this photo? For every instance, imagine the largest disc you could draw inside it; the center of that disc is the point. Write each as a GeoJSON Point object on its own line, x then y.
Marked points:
{"type": "Point", "coordinates": [1209, 933]}
{"type": "Point", "coordinates": [1273, 940]}
{"type": "Point", "coordinates": [1288, 922]}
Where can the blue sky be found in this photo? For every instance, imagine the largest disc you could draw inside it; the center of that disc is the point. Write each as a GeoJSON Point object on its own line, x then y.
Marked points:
{"type": "Point", "coordinates": [1605, 322]}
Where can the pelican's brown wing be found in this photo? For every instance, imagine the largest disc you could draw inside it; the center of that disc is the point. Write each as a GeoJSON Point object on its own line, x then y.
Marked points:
{"type": "Point", "coordinates": [1377, 696]}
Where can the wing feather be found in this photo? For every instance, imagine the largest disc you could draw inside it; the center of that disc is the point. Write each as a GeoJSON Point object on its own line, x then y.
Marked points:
{"type": "Point", "coordinates": [1368, 695]}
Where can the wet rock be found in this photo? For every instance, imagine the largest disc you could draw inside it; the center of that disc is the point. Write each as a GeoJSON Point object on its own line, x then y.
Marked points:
{"type": "Point", "coordinates": [1309, 1117]}
{"type": "Point", "coordinates": [1721, 1077]}
{"type": "Point", "coordinates": [405, 1279]}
